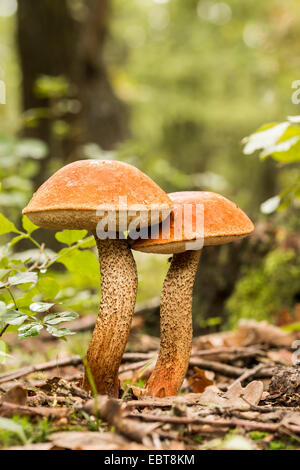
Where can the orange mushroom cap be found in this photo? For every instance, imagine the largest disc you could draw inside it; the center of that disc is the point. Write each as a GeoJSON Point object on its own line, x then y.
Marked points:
{"type": "Point", "coordinates": [221, 221]}
{"type": "Point", "coordinates": [72, 195]}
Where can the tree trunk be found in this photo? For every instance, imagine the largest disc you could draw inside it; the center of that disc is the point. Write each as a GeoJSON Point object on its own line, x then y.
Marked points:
{"type": "Point", "coordinates": [55, 39]}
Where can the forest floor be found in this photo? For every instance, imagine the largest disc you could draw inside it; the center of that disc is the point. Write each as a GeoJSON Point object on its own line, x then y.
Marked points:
{"type": "Point", "coordinates": [242, 391]}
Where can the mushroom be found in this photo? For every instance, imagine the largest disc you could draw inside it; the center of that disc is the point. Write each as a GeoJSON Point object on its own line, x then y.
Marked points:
{"type": "Point", "coordinates": [223, 222]}
{"type": "Point", "coordinates": [83, 195]}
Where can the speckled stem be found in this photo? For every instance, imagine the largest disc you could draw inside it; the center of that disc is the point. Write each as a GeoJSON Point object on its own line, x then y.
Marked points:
{"type": "Point", "coordinates": [118, 295]}
{"type": "Point", "coordinates": [175, 325]}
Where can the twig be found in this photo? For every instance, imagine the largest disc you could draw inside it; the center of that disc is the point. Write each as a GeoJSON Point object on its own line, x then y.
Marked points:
{"type": "Point", "coordinates": [37, 261]}
{"type": "Point", "coordinates": [73, 360]}
{"type": "Point", "coordinates": [247, 375]}
{"type": "Point", "coordinates": [224, 369]}
{"type": "Point", "coordinates": [237, 351]}
{"type": "Point", "coordinates": [10, 409]}
{"type": "Point", "coordinates": [229, 371]}
{"type": "Point", "coordinates": [268, 427]}
{"type": "Point", "coordinates": [4, 329]}
{"type": "Point", "coordinates": [109, 409]}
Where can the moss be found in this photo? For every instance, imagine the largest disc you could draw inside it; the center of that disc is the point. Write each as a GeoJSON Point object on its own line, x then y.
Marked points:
{"type": "Point", "coordinates": [265, 290]}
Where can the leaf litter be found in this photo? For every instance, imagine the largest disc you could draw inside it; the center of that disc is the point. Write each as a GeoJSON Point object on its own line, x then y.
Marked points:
{"type": "Point", "coordinates": [241, 392]}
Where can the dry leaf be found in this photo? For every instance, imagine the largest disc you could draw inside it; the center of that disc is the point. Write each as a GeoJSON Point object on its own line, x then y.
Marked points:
{"type": "Point", "coordinates": [292, 418]}
{"type": "Point", "coordinates": [16, 395]}
{"type": "Point", "coordinates": [38, 446]}
{"type": "Point", "coordinates": [251, 394]}
{"type": "Point", "coordinates": [138, 392]}
{"type": "Point", "coordinates": [282, 356]}
{"type": "Point", "coordinates": [216, 340]}
{"type": "Point", "coordinates": [253, 332]}
{"type": "Point", "coordinates": [234, 397]}
{"type": "Point", "coordinates": [88, 440]}
{"type": "Point", "coordinates": [199, 381]}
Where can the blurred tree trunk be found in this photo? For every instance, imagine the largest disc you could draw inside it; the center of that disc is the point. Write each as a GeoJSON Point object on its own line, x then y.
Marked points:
{"type": "Point", "coordinates": [55, 38]}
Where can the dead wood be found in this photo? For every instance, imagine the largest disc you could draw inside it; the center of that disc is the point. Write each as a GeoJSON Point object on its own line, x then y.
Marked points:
{"type": "Point", "coordinates": [109, 410]}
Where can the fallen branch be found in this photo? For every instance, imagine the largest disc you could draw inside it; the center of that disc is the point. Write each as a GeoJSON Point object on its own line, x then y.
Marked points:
{"type": "Point", "coordinates": [109, 410]}
{"type": "Point", "coordinates": [249, 373]}
{"type": "Point", "coordinates": [231, 423]}
{"type": "Point", "coordinates": [229, 371]}
{"type": "Point", "coordinates": [72, 360]}
{"type": "Point", "coordinates": [10, 409]}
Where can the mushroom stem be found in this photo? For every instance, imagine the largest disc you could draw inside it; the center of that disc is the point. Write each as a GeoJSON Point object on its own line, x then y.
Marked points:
{"type": "Point", "coordinates": [118, 296]}
{"type": "Point", "coordinates": [176, 326]}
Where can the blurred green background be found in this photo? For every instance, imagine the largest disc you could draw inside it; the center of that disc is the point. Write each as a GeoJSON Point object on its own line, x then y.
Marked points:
{"type": "Point", "coordinates": [172, 87]}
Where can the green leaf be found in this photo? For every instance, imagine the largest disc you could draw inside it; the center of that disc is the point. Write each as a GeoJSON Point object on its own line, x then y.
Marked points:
{"type": "Point", "coordinates": [14, 317]}
{"type": "Point", "coordinates": [270, 205]}
{"type": "Point", "coordinates": [89, 242]}
{"type": "Point", "coordinates": [40, 307]}
{"type": "Point", "coordinates": [3, 351]}
{"type": "Point", "coordinates": [56, 318]}
{"type": "Point", "coordinates": [2, 309]}
{"type": "Point", "coordinates": [25, 300]}
{"type": "Point", "coordinates": [23, 278]}
{"type": "Point", "coordinates": [283, 151]}
{"type": "Point", "coordinates": [30, 330]}
{"type": "Point", "coordinates": [49, 287]}
{"type": "Point", "coordinates": [83, 263]}
{"type": "Point", "coordinates": [12, 426]}
{"type": "Point", "coordinates": [28, 226]}
{"type": "Point", "coordinates": [291, 327]}
{"type": "Point", "coordinates": [59, 332]}
{"type": "Point", "coordinates": [266, 138]}
{"type": "Point", "coordinates": [6, 226]}
{"type": "Point", "coordinates": [68, 237]}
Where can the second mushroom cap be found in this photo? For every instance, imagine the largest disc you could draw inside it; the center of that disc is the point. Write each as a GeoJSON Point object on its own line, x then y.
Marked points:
{"type": "Point", "coordinates": [220, 221]}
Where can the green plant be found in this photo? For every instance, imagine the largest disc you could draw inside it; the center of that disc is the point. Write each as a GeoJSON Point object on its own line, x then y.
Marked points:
{"type": "Point", "coordinates": [258, 435]}
{"type": "Point", "coordinates": [30, 297]}
{"type": "Point", "coordinates": [281, 141]}
{"type": "Point", "coordinates": [21, 430]}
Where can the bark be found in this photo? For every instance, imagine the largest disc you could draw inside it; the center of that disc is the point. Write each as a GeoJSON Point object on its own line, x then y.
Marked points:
{"type": "Point", "coordinates": [118, 296]}
{"type": "Point", "coordinates": [176, 326]}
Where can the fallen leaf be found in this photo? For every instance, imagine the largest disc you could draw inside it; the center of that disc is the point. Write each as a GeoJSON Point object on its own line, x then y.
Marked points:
{"type": "Point", "coordinates": [253, 332]}
{"type": "Point", "coordinates": [252, 393]}
{"type": "Point", "coordinates": [38, 446]}
{"type": "Point", "coordinates": [138, 392]}
{"type": "Point", "coordinates": [88, 440]}
{"type": "Point", "coordinates": [16, 395]}
{"type": "Point", "coordinates": [234, 397]}
{"type": "Point", "coordinates": [292, 418]}
{"type": "Point", "coordinates": [282, 356]}
{"type": "Point", "coordinates": [199, 381]}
